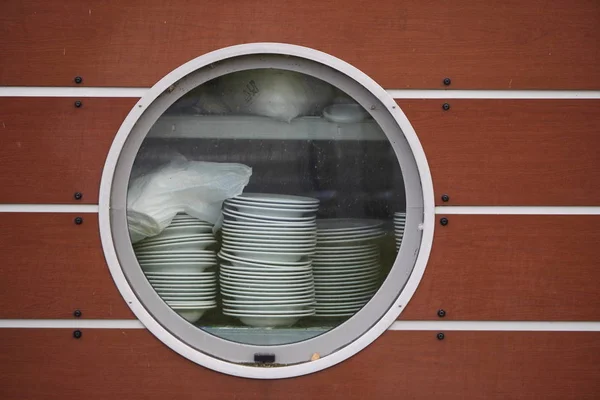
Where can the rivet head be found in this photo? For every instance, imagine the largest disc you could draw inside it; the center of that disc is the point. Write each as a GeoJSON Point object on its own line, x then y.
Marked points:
{"type": "Point", "coordinates": [441, 313]}
{"type": "Point", "coordinates": [78, 103]}
{"type": "Point", "coordinates": [444, 221]}
{"type": "Point", "coordinates": [447, 81]}
{"type": "Point", "coordinates": [445, 198]}
{"type": "Point", "coordinates": [78, 195]}
{"type": "Point", "coordinates": [446, 106]}
{"type": "Point", "coordinates": [77, 334]}
{"type": "Point", "coordinates": [77, 313]}
{"type": "Point", "coordinates": [440, 336]}
{"type": "Point", "coordinates": [78, 220]}
{"type": "Point", "coordinates": [78, 80]}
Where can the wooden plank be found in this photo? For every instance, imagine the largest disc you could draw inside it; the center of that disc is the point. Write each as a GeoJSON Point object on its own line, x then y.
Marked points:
{"type": "Point", "coordinates": [482, 267]}
{"type": "Point", "coordinates": [42, 364]}
{"type": "Point", "coordinates": [511, 152]}
{"type": "Point", "coordinates": [512, 267]}
{"type": "Point", "coordinates": [50, 149]}
{"type": "Point", "coordinates": [499, 44]}
{"type": "Point", "coordinates": [481, 152]}
{"type": "Point", "coordinates": [51, 266]}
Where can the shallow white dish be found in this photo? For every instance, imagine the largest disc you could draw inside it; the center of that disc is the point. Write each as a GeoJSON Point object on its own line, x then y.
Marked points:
{"type": "Point", "coordinates": [281, 234]}
{"type": "Point", "coordinates": [346, 260]}
{"type": "Point", "coordinates": [346, 256]}
{"type": "Point", "coordinates": [345, 113]}
{"type": "Point", "coordinates": [228, 269]}
{"type": "Point", "coordinates": [271, 297]}
{"type": "Point", "coordinates": [286, 246]}
{"type": "Point", "coordinates": [273, 211]}
{"type": "Point", "coordinates": [283, 241]}
{"type": "Point", "coordinates": [329, 225]}
{"type": "Point", "coordinates": [248, 262]}
{"type": "Point", "coordinates": [235, 289]}
{"type": "Point", "coordinates": [183, 246]}
{"type": "Point", "coordinates": [245, 216]}
{"type": "Point", "coordinates": [275, 198]}
{"type": "Point", "coordinates": [263, 281]}
{"type": "Point", "coordinates": [262, 226]}
{"type": "Point", "coordinates": [343, 275]}
{"type": "Point", "coordinates": [270, 256]}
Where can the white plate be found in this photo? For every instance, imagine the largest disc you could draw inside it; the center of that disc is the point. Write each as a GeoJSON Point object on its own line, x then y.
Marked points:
{"type": "Point", "coordinates": [347, 249]}
{"type": "Point", "coordinates": [268, 245]}
{"type": "Point", "coordinates": [261, 211]}
{"type": "Point", "coordinates": [341, 225]}
{"type": "Point", "coordinates": [354, 238]}
{"type": "Point", "coordinates": [181, 275]}
{"type": "Point", "coordinates": [346, 260]}
{"type": "Point", "coordinates": [236, 289]}
{"type": "Point", "coordinates": [345, 268]}
{"type": "Point", "coordinates": [180, 305]}
{"type": "Point", "coordinates": [283, 235]}
{"type": "Point", "coordinates": [260, 308]}
{"type": "Point", "coordinates": [347, 274]}
{"type": "Point", "coordinates": [178, 246]}
{"type": "Point", "coordinates": [291, 228]}
{"type": "Point", "coordinates": [301, 301]}
{"type": "Point", "coordinates": [238, 215]}
{"type": "Point", "coordinates": [266, 282]}
{"type": "Point", "coordinates": [352, 256]}
{"type": "Point", "coordinates": [263, 272]}
{"type": "Point", "coordinates": [177, 268]}
{"type": "Point", "coordinates": [345, 113]}
{"type": "Point", "coordinates": [333, 285]}
{"type": "Point", "coordinates": [267, 299]}
{"type": "Point", "coordinates": [283, 313]}
{"type": "Point", "coordinates": [193, 291]}
{"type": "Point", "coordinates": [356, 296]}
{"type": "Point", "coordinates": [268, 256]}
{"type": "Point", "coordinates": [248, 262]}
{"type": "Point", "coordinates": [275, 198]}
{"type": "Point", "coordinates": [181, 283]}
{"type": "Point", "coordinates": [284, 241]}
{"type": "Point", "coordinates": [184, 286]}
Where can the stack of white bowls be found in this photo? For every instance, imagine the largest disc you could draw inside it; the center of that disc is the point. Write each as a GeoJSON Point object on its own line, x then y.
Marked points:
{"type": "Point", "coordinates": [399, 224]}
{"type": "Point", "coordinates": [346, 265]}
{"type": "Point", "coordinates": [266, 275]}
{"type": "Point", "coordinates": [180, 266]}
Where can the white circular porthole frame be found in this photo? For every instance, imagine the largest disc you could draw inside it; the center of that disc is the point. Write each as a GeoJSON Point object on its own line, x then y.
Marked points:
{"type": "Point", "coordinates": [177, 344]}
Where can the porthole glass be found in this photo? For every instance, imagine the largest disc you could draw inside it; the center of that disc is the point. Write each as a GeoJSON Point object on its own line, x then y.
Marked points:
{"type": "Point", "coordinates": [265, 210]}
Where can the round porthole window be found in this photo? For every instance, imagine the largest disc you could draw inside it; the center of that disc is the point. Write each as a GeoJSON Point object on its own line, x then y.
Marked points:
{"type": "Point", "coordinates": [266, 205]}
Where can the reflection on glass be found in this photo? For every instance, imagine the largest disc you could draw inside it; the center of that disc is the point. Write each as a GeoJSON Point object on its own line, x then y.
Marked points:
{"type": "Point", "coordinates": [312, 236]}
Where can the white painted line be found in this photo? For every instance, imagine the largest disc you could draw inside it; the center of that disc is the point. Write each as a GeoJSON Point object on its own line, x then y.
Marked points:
{"type": "Point", "coordinates": [48, 208]}
{"type": "Point", "coordinates": [515, 326]}
{"type": "Point", "coordinates": [518, 210]}
{"type": "Point", "coordinates": [448, 210]}
{"type": "Point", "coordinates": [495, 94]}
{"type": "Point", "coordinates": [72, 323]}
{"type": "Point", "coordinates": [43, 91]}
{"type": "Point", "coordinates": [32, 91]}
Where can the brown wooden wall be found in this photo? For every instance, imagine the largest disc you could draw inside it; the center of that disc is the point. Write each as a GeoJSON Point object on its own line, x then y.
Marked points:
{"type": "Point", "coordinates": [502, 44]}
{"type": "Point", "coordinates": [481, 153]}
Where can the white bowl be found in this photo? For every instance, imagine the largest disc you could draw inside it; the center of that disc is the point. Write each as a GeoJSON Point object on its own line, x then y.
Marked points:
{"type": "Point", "coordinates": [341, 225]}
{"type": "Point", "coordinates": [257, 271]}
{"type": "Point", "coordinates": [244, 216]}
{"type": "Point", "coordinates": [269, 256]}
{"type": "Point", "coordinates": [236, 290]}
{"type": "Point", "coordinates": [191, 315]}
{"type": "Point", "coordinates": [273, 241]}
{"type": "Point", "coordinates": [345, 113]}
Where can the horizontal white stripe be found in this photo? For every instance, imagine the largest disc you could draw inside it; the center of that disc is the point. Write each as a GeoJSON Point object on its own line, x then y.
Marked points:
{"type": "Point", "coordinates": [518, 210]}
{"type": "Point", "coordinates": [515, 326]}
{"type": "Point", "coordinates": [72, 323]}
{"type": "Point", "coordinates": [33, 91]}
{"type": "Point", "coordinates": [49, 208]}
{"type": "Point", "coordinates": [448, 210]}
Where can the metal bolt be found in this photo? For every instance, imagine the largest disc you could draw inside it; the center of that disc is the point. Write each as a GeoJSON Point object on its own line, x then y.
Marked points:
{"type": "Point", "coordinates": [441, 336]}
{"type": "Point", "coordinates": [446, 106]}
{"type": "Point", "coordinates": [78, 220]}
{"type": "Point", "coordinates": [78, 80]}
{"type": "Point", "coordinates": [77, 334]}
{"type": "Point", "coordinates": [78, 195]}
{"type": "Point", "coordinates": [444, 221]}
{"type": "Point", "coordinates": [441, 313]}
{"type": "Point", "coordinates": [77, 313]}
{"type": "Point", "coordinates": [445, 198]}
{"type": "Point", "coordinates": [447, 81]}
{"type": "Point", "coordinates": [78, 103]}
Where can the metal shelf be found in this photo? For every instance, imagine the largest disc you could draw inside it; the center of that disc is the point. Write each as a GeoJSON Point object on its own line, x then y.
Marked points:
{"type": "Point", "coordinates": [253, 127]}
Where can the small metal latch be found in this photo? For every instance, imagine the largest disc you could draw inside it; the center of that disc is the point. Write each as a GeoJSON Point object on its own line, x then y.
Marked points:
{"type": "Point", "coordinates": [264, 358]}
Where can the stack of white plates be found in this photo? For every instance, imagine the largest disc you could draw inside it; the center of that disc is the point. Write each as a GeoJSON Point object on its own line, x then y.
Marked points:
{"type": "Point", "coordinates": [399, 224]}
{"type": "Point", "coordinates": [180, 267]}
{"type": "Point", "coordinates": [266, 274]}
{"type": "Point", "coordinates": [346, 265]}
